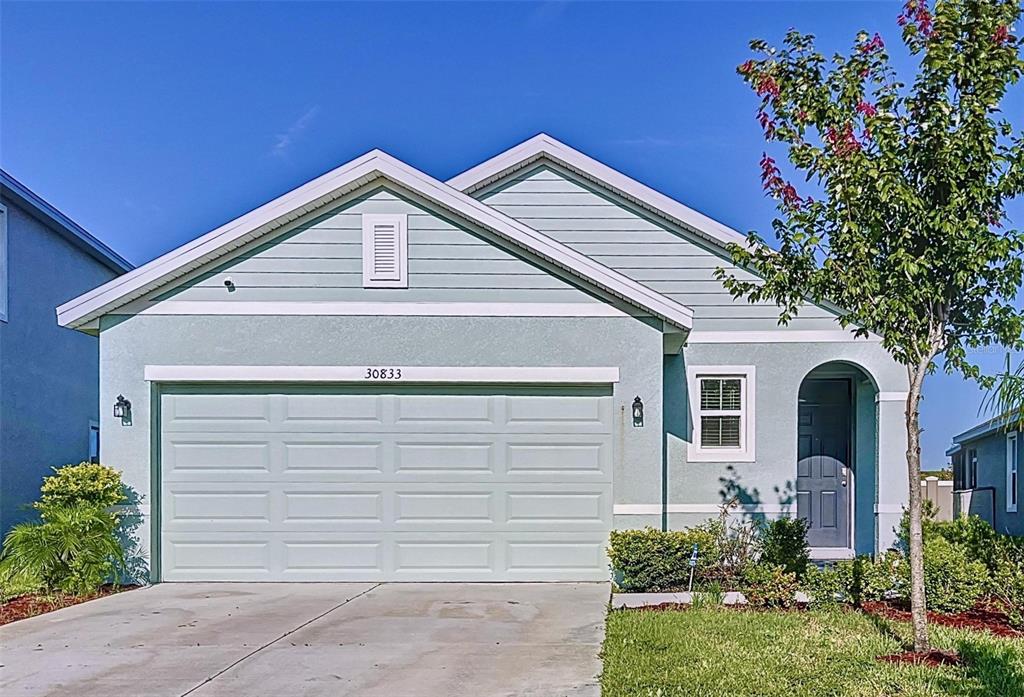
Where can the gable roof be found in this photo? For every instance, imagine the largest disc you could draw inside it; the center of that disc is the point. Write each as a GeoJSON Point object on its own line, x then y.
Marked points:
{"type": "Point", "coordinates": [543, 146]}
{"type": "Point", "coordinates": [336, 183]}
{"type": "Point", "coordinates": [67, 228]}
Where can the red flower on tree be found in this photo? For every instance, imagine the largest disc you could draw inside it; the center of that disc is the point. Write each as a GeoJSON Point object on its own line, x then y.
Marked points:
{"type": "Point", "coordinates": [866, 109]}
{"type": "Point", "coordinates": [843, 141]}
{"type": "Point", "coordinates": [1002, 34]}
{"type": "Point", "coordinates": [917, 12]}
{"type": "Point", "coordinates": [766, 85]}
{"type": "Point", "coordinates": [747, 67]}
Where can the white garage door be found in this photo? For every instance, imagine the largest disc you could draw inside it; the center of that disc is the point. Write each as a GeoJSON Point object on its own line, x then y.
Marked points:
{"type": "Point", "coordinates": [314, 484]}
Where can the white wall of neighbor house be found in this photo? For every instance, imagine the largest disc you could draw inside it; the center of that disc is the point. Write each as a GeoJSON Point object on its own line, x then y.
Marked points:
{"type": "Point", "coordinates": [128, 344]}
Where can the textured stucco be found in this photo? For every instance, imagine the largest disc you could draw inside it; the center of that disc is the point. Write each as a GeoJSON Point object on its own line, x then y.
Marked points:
{"type": "Point", "coordinates": [48, 375]}
{"type": "Point", "coordinates": [992, 475]}
{"type": "Point", "coordinates": [632, 345]}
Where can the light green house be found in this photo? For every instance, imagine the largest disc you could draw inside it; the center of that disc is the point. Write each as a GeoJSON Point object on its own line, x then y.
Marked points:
{"type": "Point", "coordinates": [382, 376]}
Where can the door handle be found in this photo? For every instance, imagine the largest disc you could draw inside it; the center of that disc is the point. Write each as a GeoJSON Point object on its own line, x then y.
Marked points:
{"type": "Point", "coordinates": [843, 481]}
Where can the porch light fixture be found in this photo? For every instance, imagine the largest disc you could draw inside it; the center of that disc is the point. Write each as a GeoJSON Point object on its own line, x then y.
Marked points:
{"type": "Point", "coordinates": [123, 410]}
{"type": "Point", "coordinates": [638, 412]}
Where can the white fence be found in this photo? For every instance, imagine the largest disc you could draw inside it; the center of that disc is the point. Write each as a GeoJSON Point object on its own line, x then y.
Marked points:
{"type": "Point", "coordinates": [939, 492]}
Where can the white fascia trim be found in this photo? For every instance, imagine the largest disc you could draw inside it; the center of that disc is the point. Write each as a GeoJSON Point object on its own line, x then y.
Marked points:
{"type": "Point", "coordinates": [319, 192]}
{"type": "Point", "coordinates": [694, 453]}
{"type": "Point", "coordinates": [371, 309]}
{"type": "Point", "coordinates": [382, 374]}
{"type": "Point", "coordinates": [710, 508]}
{"type": "Point", "coordinates": [891, 396]}
{"type": "Point", "coordinates": [543, 145]}
{"type": "Point", "coordinates": [778, 336]}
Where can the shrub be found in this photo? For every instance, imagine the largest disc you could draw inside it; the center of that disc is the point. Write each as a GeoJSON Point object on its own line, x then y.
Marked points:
{"type": "Point", "coordinates": [1007, 583]}
{"type": "Point", "coordinates": [951, 582]}
{"type": "Point", "coordinates": [86, 483]}
{"type": "Point", "coordinates": [784, 543]}
{"type": "Point", "coordinates": [655, 560]}
{"type": "Point", "coordinates": [825, 587]}
{"type": "Point", "coordinates": [865, 579]}
{"type": "Point", "coordinates": [977, 538]}
{"type": "Point", "coordinates": [768, 585]}
{"type": "Point", "coordinates": [74, 549]}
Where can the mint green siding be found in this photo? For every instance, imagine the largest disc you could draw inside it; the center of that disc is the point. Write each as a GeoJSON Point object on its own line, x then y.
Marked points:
{"type": "Point", "coordinates": [639, 246]}
{"type": "Point", "coordinates": [320, 260]}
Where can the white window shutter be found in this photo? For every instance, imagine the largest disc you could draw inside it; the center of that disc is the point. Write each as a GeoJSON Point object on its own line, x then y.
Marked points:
{"type": "Point", "coordinates": [385, 251]}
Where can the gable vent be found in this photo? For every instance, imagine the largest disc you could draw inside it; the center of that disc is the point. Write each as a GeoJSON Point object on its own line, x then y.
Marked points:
{"type": "Point", "coordinates": [385, 251]}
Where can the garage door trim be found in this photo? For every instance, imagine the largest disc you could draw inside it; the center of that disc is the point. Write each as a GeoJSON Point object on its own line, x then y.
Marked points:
{"type": "Point", "coordinates": [582, 377]}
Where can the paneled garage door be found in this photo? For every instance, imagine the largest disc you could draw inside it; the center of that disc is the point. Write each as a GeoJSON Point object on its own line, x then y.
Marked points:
{"type": "Point", "coordinates": [315, 484]}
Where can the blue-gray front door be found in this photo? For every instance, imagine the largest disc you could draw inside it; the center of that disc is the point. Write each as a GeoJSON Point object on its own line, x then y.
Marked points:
{"type": "Point", "coordinates": [824, 461]}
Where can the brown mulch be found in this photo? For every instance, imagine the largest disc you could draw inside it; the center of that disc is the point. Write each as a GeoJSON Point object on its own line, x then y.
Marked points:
{"type": "Point", "coordinates": [33, 604]}
{"type": "Point", "coordinates": [980, 617]}
{"type": "Point", "coordinates": [932, 658]}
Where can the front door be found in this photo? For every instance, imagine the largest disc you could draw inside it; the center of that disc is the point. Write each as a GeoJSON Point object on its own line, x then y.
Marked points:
{"type": "Point", "coordinates": [824, 461]}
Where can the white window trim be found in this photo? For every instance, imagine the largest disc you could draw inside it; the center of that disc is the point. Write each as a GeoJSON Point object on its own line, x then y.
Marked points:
{"type": "Point", "coordinates": [1012, 468]}
{"type": "Point", "coordinates": [5, 275]}
{"type": "Point", "coordinates": [400, 221]}
{"type": "Point", "coordinates": [746, 453]}
{"type": "Point", "coordinates": [392, 374]}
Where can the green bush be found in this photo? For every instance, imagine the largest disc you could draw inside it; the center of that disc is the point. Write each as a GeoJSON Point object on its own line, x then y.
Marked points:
{"type": "Point", "coordinates": [768, 585]}
{"type": "Point", "coordinates": [74, 549]}
{"type": "Point", "coordinates": [86, 483]}
{"type": "Point", "coordinates": [1007, 583]}
{"type": "Point", "coordinates": [881, 578]}
{"type": "Point", "coordinates": [784, 543]}
{"type": "Point", "coordinates": [825, 587]}
{"type": "Point", "coordinates": [655, 560]}
{"type": "Point", "coordinates": [952, 582]}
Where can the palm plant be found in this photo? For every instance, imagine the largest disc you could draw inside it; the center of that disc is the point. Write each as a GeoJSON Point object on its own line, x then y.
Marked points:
{"type": "Point", "coordinates": [1006, 399]}
{"type": "Point", "coordinates": [73, 549]}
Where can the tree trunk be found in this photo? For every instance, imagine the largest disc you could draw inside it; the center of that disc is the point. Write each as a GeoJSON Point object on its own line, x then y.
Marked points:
{"type": "Point", "coordinates": [918, 608]}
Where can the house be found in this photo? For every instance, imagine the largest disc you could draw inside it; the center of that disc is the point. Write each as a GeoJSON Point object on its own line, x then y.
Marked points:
{"type": "Point", "coordinates": [49, 376]}
{"type": "Point", "coordinates": [380, 375]}
{"type": "Point", "coordinates": [987, 463]}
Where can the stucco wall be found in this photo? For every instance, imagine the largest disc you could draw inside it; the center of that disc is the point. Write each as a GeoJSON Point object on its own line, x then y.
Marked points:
{"type": "Point", "coordinates": [127, 344]}
{"type": "Point", "coordinates": [48, 374]}
{"type": "Point", "coordinates": [696, 487]}
{"type": "Point", "coordinates": [992, 473]}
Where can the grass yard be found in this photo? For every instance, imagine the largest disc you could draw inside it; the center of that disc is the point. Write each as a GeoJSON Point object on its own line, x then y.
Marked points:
{"type": "Point", "coordinates": [729, 653]}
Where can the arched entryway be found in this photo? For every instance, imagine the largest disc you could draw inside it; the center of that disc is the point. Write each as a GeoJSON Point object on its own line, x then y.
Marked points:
{"type": "Point", "coordinates": [835, 465]}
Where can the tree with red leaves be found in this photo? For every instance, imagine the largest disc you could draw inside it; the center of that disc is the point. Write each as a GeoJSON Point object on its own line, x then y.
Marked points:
{"type": "Point", "coordinates": [907, 234]}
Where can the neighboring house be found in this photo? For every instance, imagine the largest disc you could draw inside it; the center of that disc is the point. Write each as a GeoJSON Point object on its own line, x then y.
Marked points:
{"type": "Point", "coordinates": [380, 375]}
{"type": "Point", "coordinates": [49, 376]}
{"type": "Point", "coordinates": [987, 467]}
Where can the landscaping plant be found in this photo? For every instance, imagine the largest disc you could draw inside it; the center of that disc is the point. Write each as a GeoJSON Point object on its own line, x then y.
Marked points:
{"type": "Point", "coordinates": [825, 587]}
{"type": "Point", "coordinates": [952, 582]}
{"type": "Point", "coordinates": [903, 231]}
{"type": "Point", "coordinates": [656, 560]}
{"type": "Point", "coordinates": [74, 547]}
{"type": "Point", "coordinates": [769, 585]}
{"type": "Point", "coordinates": [784, 543]}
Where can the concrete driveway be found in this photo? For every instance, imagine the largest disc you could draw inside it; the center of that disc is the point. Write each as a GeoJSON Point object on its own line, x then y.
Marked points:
{"type": "Point", "coordinates": [280, 640]}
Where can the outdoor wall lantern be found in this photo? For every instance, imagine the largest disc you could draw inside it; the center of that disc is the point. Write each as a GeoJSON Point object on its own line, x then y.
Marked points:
{"type": "Point", "coordinates": [638, 412]}
{"type": "Point", "coordinates": [123, 410]}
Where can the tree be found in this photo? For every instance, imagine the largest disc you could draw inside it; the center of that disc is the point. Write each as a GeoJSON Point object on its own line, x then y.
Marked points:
{"type": "Point", "coordinates": [906, 233]}
{"type": "Point", "coordinates": [1005, 401]}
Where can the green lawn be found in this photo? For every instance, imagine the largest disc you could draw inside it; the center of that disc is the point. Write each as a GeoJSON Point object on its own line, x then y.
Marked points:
{"type": "Point", "coordinates": [729, 653]}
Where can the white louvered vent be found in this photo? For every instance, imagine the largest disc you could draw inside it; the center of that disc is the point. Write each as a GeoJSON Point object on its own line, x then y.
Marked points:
{"type": "Point", "coordinates": [385, 251]}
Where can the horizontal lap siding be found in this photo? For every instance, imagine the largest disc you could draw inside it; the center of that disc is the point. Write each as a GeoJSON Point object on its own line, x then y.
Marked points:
{"type": "Point", "coordinates": [650, 253]}
{"type": "Point", "coordinates": [321, 261]}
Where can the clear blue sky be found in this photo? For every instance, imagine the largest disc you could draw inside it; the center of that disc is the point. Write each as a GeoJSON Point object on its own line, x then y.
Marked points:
{"type": "Point", "coordinates": [152, 123]}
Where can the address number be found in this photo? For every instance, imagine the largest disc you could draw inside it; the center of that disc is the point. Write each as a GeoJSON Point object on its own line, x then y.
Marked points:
{"type": "Point", "coordinates": [383, 374]}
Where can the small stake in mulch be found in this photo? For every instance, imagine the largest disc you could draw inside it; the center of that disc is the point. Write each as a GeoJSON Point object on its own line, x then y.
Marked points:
{"type": "Point", "coordinates": [693, 564]}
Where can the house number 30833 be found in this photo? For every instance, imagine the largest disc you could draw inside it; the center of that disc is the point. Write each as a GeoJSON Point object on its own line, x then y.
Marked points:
{"type": "Point", "coordinates": [383, 374]}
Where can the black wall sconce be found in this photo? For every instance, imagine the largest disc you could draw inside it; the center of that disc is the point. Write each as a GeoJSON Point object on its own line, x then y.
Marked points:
{"type": "Point", "coordinates": [123, 410]}
{"type": "Point", "coordinates": [638, 412]}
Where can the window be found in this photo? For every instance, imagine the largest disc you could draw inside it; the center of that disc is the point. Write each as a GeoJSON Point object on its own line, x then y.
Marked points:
{"type": "Point", "coordinates": [385, 251]}
{"type": "Point", "coordinates": [722, 408]}
{"type": "Point", "coordinates": [959, 480]}
{"type": "Point", "coordinates": [3, 263]}
{"type": "Point", "coordinates": [972, 469]}
{"type": "Point", "coordinates": [1012, 480]}
{"type": "Point", "coordinates": [94, 442]}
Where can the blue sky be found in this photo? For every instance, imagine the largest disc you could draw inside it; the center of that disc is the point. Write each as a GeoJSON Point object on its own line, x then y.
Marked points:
{"type": "Point", "coordinates": [152, 123]}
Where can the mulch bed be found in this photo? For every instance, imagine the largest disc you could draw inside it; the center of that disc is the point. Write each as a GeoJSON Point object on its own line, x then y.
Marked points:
{"type": "Point", "coordinates": [33, 604]}
{"type": "Point", "coordinates": [932, 659]}
{"type": "Point", "coordinates": [980, 617]}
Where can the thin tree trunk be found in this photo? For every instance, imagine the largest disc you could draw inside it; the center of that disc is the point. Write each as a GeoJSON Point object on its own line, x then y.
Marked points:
{"type": "Point", "coordinates": [918, 607]}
